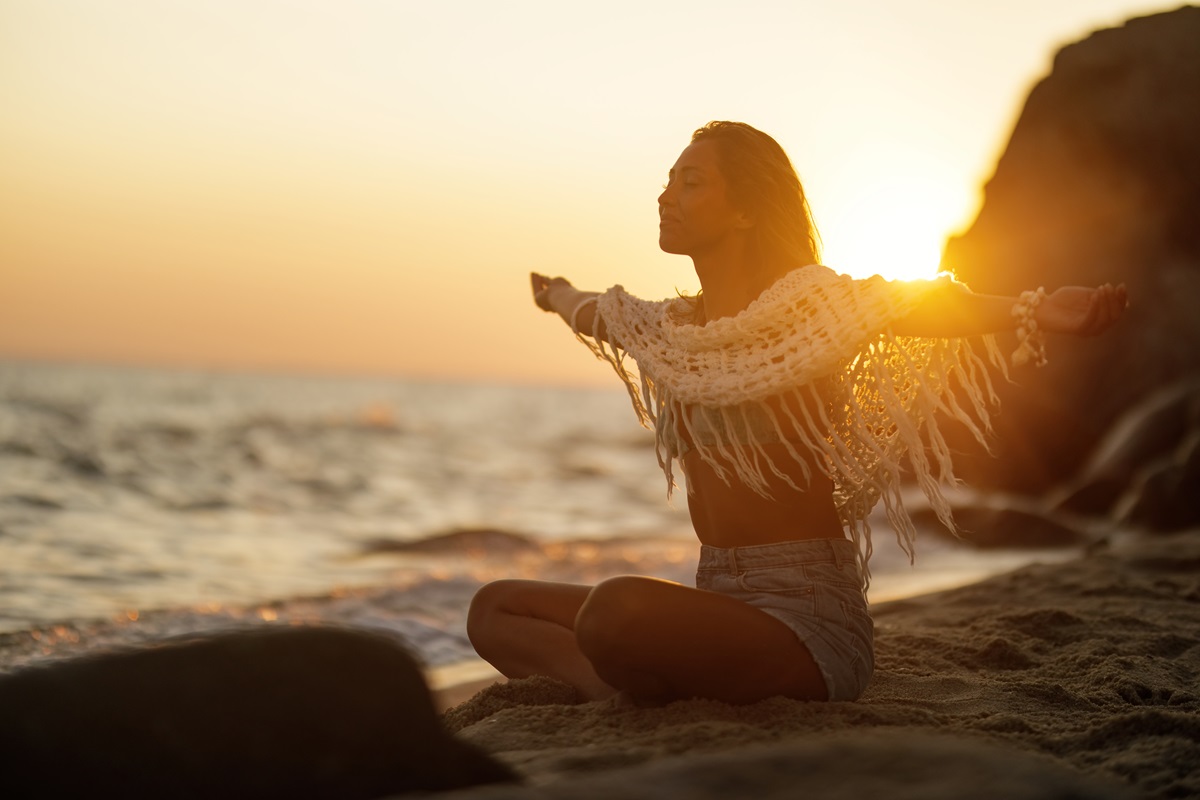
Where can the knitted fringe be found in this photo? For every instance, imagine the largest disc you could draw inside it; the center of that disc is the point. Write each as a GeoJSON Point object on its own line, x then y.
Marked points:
{"type": "Point", "coordinates": [874, 414]}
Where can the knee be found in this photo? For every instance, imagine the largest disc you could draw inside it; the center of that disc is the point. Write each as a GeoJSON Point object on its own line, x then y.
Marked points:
{"type": "Point", "coordinates": [490, 600]}
{"type": "Point", "coordinates": [607, 616]}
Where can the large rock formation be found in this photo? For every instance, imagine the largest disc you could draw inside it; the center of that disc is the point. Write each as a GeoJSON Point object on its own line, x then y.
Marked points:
{"type": "Point", "coordinates": [1099, 182]}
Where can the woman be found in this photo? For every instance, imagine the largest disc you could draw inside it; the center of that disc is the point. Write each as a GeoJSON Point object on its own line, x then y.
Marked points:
{"type": "Point", "coordinates": [788, 395]}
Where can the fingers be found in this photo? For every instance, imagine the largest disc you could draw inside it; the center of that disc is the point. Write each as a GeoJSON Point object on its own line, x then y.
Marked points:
{"type": "Point", "coordinates": [541, 289]}
{"type": "Point", "coordinates": [540, 281]}
{"type": "Point", "coordinates": [1120, 300]}
{"type": "Point", "coordinates": [1115, 299]}
{"type": "Point", "coordinates": [1105, 307]}
{"type": "Point", "coordinates": [1093, 321]}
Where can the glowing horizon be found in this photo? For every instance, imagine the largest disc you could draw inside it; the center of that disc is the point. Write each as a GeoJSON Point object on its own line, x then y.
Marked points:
{"type": "Point", "coordinates": [363, 187]}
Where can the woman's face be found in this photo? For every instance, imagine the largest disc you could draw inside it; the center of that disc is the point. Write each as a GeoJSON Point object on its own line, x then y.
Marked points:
{"type": "Point", "coordinates": [695, 216]}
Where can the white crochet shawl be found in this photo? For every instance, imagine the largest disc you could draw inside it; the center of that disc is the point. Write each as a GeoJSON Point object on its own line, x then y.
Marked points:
{"type": "Point", "coordinates": [817, 336]}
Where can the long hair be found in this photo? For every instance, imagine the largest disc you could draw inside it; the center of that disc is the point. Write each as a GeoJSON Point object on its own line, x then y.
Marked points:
{"type": "Point", "coordinates": [762, 182]}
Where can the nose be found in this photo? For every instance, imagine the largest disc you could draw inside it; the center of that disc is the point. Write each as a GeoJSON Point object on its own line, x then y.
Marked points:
{"type": "Point", "coordinates": [663, 199]}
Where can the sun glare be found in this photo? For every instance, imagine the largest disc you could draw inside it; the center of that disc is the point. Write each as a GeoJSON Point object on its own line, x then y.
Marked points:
{"type": "Point", "coordinates": [895, 227]}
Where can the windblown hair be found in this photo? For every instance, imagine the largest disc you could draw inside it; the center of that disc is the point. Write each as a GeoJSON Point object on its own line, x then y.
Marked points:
{"type": "Point", "coordinates": [763, 183]}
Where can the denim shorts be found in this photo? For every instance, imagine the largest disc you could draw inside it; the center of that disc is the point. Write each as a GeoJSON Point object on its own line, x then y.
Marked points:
{"type": "Point", "coordinates": [815, 588]}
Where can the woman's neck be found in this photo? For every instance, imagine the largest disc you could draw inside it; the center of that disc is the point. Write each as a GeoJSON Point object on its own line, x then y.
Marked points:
{"type": "Point", "coordinates": [727, 285]}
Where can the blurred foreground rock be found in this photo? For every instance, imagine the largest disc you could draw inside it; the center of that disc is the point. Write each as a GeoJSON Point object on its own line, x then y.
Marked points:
{"type": "Point", "coordinates": [256, 714]}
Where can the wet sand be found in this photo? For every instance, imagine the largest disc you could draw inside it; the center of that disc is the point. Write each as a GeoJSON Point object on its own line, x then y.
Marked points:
{"type": "Point", "coordinates": [1067, 679]}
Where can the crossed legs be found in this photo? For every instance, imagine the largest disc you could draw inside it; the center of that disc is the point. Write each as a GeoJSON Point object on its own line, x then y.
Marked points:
{"type": "Point", "coordinates": [526, 628]}
{"type": "Point", "coordinates": [654, 639]}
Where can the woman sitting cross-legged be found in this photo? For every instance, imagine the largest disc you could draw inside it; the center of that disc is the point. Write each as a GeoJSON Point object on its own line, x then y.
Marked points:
{"type": "Point", "coordinates": [791, 398]}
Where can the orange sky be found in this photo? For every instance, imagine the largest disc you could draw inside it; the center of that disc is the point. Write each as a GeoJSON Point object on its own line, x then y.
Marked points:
{"type": "Point", "coordinates": [364, 186]}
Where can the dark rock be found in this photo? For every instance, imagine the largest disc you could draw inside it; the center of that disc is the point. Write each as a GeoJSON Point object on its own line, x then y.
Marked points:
{"type": "Point", "coordinates": [1149, 430]}
{"type": "Point", "coordinates": [987, 527]}
{"type": "Point", "coordinates": [1094, 496]}
{"type": "Point", "coordinates": [1167, 498]}
{"type": "Point", "coordinates": [1100, 182]}
{"type": "Point", "coordinates": [1138, 443]}
{"type": "Point", "coordinates": [264, 713]}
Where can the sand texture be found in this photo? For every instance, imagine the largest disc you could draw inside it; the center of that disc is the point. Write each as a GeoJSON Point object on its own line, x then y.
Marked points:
{"type": "Point", "coordinates": [1065, 680]}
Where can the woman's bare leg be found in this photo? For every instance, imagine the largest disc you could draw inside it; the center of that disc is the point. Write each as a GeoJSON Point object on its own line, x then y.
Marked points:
{"type": "Point", "coordinates": [527, 628]}
{"type": "Point", "coordinates": [654, 639]}
{"type": "Point", "coordinates": [658, 640]}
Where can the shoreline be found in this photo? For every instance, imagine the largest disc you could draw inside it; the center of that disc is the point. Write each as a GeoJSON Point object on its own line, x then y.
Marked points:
{"type": "Point", "coordinates": [942, 566]}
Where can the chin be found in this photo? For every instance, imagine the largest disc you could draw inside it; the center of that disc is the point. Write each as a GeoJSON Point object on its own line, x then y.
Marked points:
{"type": "Point", "coordinates": [667, 246]}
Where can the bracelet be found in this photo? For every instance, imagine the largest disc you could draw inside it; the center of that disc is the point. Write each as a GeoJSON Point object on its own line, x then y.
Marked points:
{"type": "Point", "coordinates": [575, 313]}
{"type": "Point", "coordinates": [1031, 341]}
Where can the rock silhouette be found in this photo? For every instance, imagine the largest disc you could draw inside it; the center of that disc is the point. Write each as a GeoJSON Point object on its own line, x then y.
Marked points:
{"type": "Point", "coordinates": [262, 713]}
{"type": "Point", "coordinates": [1100, 182]}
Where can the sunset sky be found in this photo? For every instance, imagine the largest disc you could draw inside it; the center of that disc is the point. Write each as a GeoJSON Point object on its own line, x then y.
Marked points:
{"type": "Point", "coordinates": [362, 186]}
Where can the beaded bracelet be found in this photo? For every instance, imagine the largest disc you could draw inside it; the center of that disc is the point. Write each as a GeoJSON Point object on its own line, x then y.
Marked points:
{"type": "Point", "coordinates": [1031, 341]}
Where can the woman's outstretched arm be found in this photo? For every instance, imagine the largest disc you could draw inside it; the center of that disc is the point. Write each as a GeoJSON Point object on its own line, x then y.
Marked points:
{"type": "Point", "coordinates": [557, 295]}
{"type": "Point", "coordinates": [957, 311]}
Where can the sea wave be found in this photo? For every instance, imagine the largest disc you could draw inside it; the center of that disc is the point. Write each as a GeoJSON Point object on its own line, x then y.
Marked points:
{"type": "Point", "coordinates": [143, 503]}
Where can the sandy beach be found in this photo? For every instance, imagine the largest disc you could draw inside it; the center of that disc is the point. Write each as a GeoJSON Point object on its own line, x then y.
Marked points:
{"type": "Point", "coordinates": [1063, 680]}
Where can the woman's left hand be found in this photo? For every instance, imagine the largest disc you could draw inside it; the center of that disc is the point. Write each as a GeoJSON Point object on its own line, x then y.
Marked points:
{"type": "Point", "coordinates": [542, 286]}
{"type": "Point", "coordinates": [1081, 310]}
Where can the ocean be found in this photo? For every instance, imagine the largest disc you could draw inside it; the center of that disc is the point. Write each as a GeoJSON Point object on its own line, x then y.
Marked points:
{"type": "Point", "coordinates": [140, 503]}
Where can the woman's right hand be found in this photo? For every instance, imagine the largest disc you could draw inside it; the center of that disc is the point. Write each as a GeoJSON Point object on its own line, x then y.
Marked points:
{"type": "Point", "coordinates": [577, 309]}
{"type": "Point", "coordinates": [542, 287]}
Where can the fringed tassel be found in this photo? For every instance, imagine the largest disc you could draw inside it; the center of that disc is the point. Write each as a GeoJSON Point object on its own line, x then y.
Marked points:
{"type": "Point", "coordinates": [884, 405]}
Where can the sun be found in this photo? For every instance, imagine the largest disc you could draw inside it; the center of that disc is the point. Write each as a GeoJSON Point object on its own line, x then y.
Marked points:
{"type": "Point", "coordinates": [893, 224]}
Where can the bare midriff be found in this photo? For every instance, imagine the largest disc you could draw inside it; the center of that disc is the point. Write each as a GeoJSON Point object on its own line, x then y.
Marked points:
{"type": "Point", "coordinates": [734, 515]}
